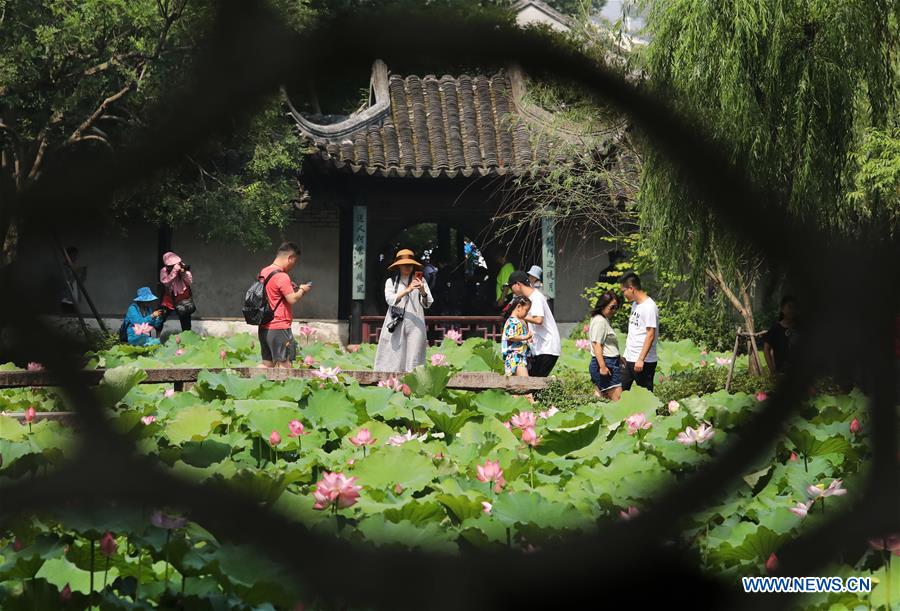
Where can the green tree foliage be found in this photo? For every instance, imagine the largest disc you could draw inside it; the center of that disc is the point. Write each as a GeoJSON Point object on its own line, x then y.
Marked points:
{"type": "Point", "coordinates": [86, 77]}
{"type": "Point", "coordinates": [787, 88]}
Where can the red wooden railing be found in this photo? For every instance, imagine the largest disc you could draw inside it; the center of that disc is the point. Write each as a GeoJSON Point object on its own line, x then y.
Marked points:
{"type": "Point", "coordinates": [487, 327]}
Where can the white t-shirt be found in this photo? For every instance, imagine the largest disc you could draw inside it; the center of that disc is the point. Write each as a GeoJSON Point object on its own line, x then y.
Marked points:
{"type": "Point", "coordinates": [546, 335]}
{"type": "Point", "coordinates": [643, 315]}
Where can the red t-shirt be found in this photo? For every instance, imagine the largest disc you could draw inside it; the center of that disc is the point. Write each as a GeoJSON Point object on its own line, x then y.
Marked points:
{"type": "Point", "coordinates": [279, 286]}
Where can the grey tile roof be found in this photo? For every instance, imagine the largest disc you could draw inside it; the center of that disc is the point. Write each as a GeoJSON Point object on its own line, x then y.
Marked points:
{"type": "Point", "coordinates": [464, 125]}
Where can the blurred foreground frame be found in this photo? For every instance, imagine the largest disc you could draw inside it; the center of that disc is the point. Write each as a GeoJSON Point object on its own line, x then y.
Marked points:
{"type": "Point", "coordinates": [248, 55]}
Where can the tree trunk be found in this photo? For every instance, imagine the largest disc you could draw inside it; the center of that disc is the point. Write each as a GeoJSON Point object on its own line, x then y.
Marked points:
{"type": "Point", "coordinates": [744, 306]}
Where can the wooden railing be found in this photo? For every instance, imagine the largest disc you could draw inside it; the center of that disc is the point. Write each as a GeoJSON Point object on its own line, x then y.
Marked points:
{"type": "Point", "coordinates": [487, 327]}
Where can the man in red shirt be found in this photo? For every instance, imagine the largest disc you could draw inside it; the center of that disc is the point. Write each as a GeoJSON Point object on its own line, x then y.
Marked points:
{"type": "Point", "coordinates": [276, 342]}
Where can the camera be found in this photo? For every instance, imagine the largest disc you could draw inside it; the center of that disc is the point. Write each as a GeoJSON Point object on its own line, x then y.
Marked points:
{"type": "Point", "coordinates": [396, 318]}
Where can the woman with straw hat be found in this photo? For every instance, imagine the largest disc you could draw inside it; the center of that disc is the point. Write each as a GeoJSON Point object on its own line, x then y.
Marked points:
{"type": "Point", "coordinates": [403, 340]}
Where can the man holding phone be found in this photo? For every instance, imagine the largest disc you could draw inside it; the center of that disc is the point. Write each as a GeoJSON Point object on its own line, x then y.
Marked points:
{"type": "Point", "coordinates": [276, 342]}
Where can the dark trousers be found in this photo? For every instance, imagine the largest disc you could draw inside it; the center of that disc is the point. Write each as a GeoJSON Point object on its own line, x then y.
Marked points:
{"type": "Point", "coordinates": [643, 378]}
{"type": "Point", "coordinates": [541, 365]}
{"type": "Point", "coordinates": [185, 320]}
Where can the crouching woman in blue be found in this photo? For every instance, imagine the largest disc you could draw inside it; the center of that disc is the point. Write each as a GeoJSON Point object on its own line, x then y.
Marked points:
{"type": "Point", "coordinates": [605, 367]}
{"type": "Point", "coordinates": [142, 319]}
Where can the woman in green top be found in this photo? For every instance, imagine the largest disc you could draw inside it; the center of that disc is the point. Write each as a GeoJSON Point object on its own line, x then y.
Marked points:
{"type": "Point", "coordinates": [605, 367]}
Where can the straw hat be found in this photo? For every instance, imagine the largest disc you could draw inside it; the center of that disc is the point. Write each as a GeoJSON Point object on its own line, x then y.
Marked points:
{"type": "Point", "coordinates": [404, 257]}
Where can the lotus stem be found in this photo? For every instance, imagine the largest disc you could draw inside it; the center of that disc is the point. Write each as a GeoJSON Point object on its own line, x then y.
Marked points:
{"type": "Point", "coordinates": [105, 572]}
{"type": "Point", "coordinates": [168, 536]}
{"type": "Point", "coordinates": [92, 567]}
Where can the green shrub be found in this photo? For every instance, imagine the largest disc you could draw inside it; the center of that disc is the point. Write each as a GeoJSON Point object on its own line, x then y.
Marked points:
{"type": "Point", "coordinates": [568, 390]}
{"type": "Point", "coordinates": [706, 380]}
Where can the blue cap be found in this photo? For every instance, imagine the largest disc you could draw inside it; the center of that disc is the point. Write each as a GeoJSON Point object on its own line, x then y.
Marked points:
{"type": "Point", "coordinates": [145, 294]}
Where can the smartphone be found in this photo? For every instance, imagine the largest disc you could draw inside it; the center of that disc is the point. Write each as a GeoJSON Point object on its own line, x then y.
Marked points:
{"type": "Point", "coordinates": [419, 275]}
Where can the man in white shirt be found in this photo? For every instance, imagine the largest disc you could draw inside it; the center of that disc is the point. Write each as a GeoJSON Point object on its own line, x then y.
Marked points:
{"type": "Point", "coordinates": [547, 344]}
{"type": "Point", "coordinates": [643, 334]}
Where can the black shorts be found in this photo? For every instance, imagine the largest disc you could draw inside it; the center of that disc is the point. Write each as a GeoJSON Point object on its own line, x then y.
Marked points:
{"type": "Point", "coordinates": [277, 345]}
{"type": "Point", "coordinates": [541, 365]}
{"type": "Point", "coordinates": [643, 378]}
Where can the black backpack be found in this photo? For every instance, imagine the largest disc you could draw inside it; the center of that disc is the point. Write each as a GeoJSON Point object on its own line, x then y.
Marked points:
{"type": "Point", "coordinates": [257, 310]}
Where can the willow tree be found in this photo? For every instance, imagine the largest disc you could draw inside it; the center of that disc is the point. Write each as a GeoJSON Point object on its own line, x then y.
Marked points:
{"type": "Point", "coordinates": [788, 88]}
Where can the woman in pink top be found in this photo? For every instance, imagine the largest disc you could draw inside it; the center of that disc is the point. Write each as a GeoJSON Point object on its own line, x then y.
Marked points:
{"type": "Point", "coordinates": [177, 279]}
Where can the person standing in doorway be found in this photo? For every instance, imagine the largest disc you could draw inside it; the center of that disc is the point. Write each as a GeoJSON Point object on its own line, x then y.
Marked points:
{"type": "Point", "coordinates": [176, 278]}
{"type": "Point", "coordinates": [276, 342]}
{"type": "Point", "coordinates": [504, 269]}
{"type": "Point", "coordinates": [547, 344]}
{"type": "Point", "coordinates": [643, 334]}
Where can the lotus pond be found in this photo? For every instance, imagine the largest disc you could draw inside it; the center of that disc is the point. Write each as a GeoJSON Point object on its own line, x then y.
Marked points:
{"type": "Point", "coordinates": [412, 464]}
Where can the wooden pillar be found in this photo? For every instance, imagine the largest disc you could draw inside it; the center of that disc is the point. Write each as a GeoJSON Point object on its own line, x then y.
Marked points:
{"type": "Point", "coordinates": [548, 257]}
{"type": "Point", "coordinates": [358, 273]}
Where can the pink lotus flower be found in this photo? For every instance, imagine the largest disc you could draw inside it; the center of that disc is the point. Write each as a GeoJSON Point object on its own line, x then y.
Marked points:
{"type": "Point", "coordinates": [179, 352]}
{"type": "Point", "coordinates": [351, 461]}
{"type": "Point", "coordinates": [585, 329]}
{"type": "Point", "coordinates": [529, 437]}
{"type": "Point", "coordinates": [177, 339]}
{"type": "Point", "coordinates": [65, 595]}
{"type": "Point", "coordinates": [306, 331]}
{"type": "Point", "coordinates": [855, 427]}
{"type": "Point", "coordinates": [30, 413]}
{"type": "Point", "coordinates": [890, 543]}
{"type": "Point", "coordinates": [399, 440]}
{"type": "Point", "coordinates": [486, 507]}
{"type": "Point", "coordinates": [702, 363]}
{"type": "Point", "coordinates": [689, 436]}
{"type": "Point", "coordinates": [274, 438]}
{"type": "Point", "coordinates": [490, 471]}
{"type": "Point", "coordinates": [166, 521]}
{"type": "Point", "coordinates": [108, 545]}
{"type": "Point", "coordinates": [363, 438]}
{"type": "Point", "coordinates": [223, 355]}
{"type": "Point", "coordinates": [352, 348]}
{"type": "Point", "coordinates": [18, 545]}
{"type": "Point", "coordinates": [583, 344]}
{"type": "Point", "coordinates": [142, 328]}
{"type": "Point", "coordinates": [336, 489]}
{"type": "Point", "coordinates": [396, 385]}
{"type": "Point", "coordinates": [761, 396]}
{"type": "Point", "coordinates": [507, 425]}
{"type": "Point", "coordinates": [453, 335]}
{"type": "Point", "coordinates": [793, 457]}
{"type": "Point", "coordinates": [523, 420]}
{"type": "Point", "coordinates": [169, 393]}
{"type": "Point", "coordinates": [549, 413]}
{"type": "Point", "coordinates": [398, 489]}
{"type": "Point", "coordinates": [296, 428]}
{"type": "Point", "coordinates": [801, 509]}
{"type": "Point", "coordinates": [148, 420]}
{"type": "Point", "coordinates": [819, 490]}
{"type": "Point", "coordinates": [32, 366]}
{"type": "Point", "coordinates": [723, 361]}
{"type": "Point", "coordinates": [327, 373]}
{"type": "Point", "coordinates": [673, 406]}
{"type": "Point", "coordinates": [637, 422]}
{"type": "Point", "coordinates": [772, 563]}
{"type": "Point", "coordinates": [631, 513]}
{"type": "Point", "coordinates": [438, 360]}
{"type": "Point", "coordinates": [309, 361]}
{"type": "Point", "coordinates": [703, 353]}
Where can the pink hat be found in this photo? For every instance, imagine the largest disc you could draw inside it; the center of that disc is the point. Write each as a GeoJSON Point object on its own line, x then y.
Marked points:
{"type": "Point", "coordinates": [170, 258]}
